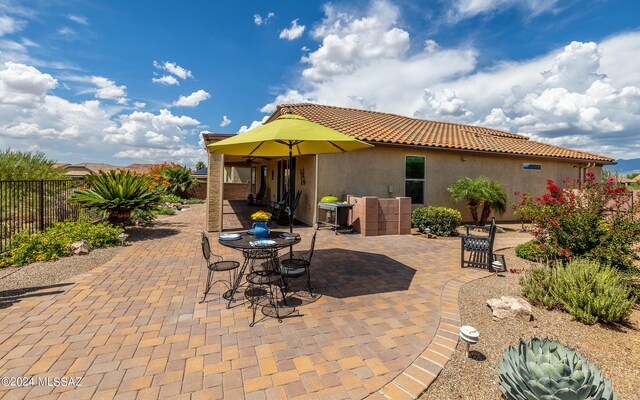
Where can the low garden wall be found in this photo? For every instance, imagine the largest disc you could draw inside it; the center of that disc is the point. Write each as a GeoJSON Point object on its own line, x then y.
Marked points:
{"type": "Point", "coordinates": [373, 216]}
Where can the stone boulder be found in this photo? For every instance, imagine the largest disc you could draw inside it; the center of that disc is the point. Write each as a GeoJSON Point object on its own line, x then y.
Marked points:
{"type": "Point", "coordinates": [80, 248]}
{"type": "Point", "coordinates": [510, 307]}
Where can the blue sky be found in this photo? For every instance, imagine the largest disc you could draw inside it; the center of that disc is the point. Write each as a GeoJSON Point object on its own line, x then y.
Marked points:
{"type": "Point", "coordinates": [137, 81]}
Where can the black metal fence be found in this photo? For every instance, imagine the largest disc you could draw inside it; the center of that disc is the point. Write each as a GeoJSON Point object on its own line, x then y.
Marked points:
{"type": "Point", "coordinates": [34, 206]}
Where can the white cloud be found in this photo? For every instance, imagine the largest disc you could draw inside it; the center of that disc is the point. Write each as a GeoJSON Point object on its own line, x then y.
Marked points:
{"type": "Point", "coordinates": [107, 89]}
{"type": "Point", "coordinates": [31, 117]}
{"type": "Point", "coordinates": [259, 20]}
{"type": "Point", "coordinates": [193, 99]}
{"type": "Point", "coordinates": [184, 155]}
{"type": "Point", "coordinates": [462, 9]}
{"type": "Point", "coordinates": [225, 121]}
{"type": "Point", "coordinates": [174, 69]}
{"type": "Point", "coordinates": [66, 31]}
{"type": "Point", "coordinates": [139, 104]}
{"type": "Point", "coordinates": [349, 42]}
{"type": "Point", "coordinates": [293, 32]}
{"type": "Point", "coordinates": [254, 124]}
{"type": "Point", "coordinates": [24, 85]}
{"type": "Point", "coordinates": [166, 80]}
{"type": "Point", "coordinates": [79, 19]}
{"type": "Point", "coordinates": [582, 89]}
{"type": "Point", "coordinates": [10, 25]}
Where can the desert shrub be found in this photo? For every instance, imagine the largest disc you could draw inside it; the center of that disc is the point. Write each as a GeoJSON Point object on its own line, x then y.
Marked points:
{"type": "Point", "coordinates": [532, 251]}
{"type": "Point", "coordinates": [171, 198]}
{"type": "Point", "coordinates": [194, 201]}
{"type": "Point", "coordinates": [442, 221]}
{"type": "Point", "coordinates": [591, 292]}
{"type": "Point", "coordinates": [174, 178]}
{"type": "Point", "coordinates": [52, 243]}
{"type": "Point", "coordinates": [142, 217]}
{"type": "Point", "coordinates": [537, 286]}
{"type": "Point", "coordinates": [20, 165]}
{"type": "Point", "coordinates": [165, 211]}
{"type": "Point", "coordinates": [587, 218]}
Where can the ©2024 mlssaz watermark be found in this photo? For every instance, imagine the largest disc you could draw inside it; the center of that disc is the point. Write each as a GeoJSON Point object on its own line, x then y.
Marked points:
{"type": "Point", "coordinates": [54, 381]}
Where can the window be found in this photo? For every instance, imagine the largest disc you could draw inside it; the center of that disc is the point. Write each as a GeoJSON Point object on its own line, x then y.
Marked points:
{"type": "Point", "coordinates": [535, 167]}
{"type": "Point", "coordinates": [414, 179]}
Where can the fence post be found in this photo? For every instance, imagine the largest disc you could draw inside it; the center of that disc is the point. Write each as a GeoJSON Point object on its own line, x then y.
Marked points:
{"type": "Point", "coordinates": [41, 205]}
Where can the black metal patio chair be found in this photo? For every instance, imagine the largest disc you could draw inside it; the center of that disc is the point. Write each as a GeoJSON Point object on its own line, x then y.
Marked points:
{"type": "Point", "coordinates": [477, 250]}
{"type": "Point", "coordinates": [216, 266]}
{"type": "Point", "coordinates": [298, 266]}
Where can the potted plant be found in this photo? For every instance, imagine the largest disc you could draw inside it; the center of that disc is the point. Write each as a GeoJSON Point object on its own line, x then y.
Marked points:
{"type": "Point", "coordinates": [260, 228]}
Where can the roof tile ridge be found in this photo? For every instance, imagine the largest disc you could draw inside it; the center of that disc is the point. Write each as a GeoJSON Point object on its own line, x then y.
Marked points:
{"type": "Point", "coordinates": [398, 116]}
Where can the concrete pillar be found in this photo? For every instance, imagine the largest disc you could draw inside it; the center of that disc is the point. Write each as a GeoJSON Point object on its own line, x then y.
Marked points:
{"type": "Point", "coordinates": [215, 193]}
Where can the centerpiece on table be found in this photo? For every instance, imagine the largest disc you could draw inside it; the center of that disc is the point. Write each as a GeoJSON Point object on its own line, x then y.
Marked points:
{"type": "Point", "coordinates": [260, 228]}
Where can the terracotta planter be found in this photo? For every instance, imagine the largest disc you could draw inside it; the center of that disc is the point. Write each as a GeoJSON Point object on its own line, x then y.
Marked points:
{"type": "Point", "coordinates": [119, 218]}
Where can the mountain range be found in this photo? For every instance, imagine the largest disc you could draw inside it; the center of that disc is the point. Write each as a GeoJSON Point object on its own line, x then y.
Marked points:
{"type": "Point", "coordinates": [625, 166]}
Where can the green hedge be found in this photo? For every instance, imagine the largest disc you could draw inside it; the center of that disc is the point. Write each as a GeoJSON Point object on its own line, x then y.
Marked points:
{"type": "Point", "coordinates": [52, 244]}
{"type": "Point", "coordinates": [532, 251]}
{"type": "Point", "coordinates": [441, 221]}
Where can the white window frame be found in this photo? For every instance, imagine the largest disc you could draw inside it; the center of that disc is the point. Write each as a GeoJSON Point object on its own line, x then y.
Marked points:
{"type": "Point", "coordinates": [424, 179]}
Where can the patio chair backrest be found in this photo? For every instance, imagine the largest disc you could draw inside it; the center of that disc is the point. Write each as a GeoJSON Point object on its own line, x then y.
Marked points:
{"type": "Point", "coordinates": [313, 245]}
{"type": "Point", "coordinates": [492, 232]}
{"type": "Point", "coordinates": [206, 247]}
{"type": "Point", "coordinates": [296, 199]}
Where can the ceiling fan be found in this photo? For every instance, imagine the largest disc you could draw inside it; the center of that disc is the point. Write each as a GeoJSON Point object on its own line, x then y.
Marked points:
{"type": "Point", "coordinates": [250, 160]}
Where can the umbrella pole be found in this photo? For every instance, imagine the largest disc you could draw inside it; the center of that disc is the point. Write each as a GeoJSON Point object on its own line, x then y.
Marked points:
{"type": "Point", "coordinates": [290, 202]}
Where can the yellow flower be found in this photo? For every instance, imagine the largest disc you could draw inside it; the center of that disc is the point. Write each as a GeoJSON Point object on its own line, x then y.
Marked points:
{"type": "Point", "coordinates": [261, 216]}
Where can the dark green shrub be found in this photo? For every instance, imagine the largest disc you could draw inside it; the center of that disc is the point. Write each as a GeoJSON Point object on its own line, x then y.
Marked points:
{"type": "Point", "coordinates": [441, 221]}
{"type": "Point", "coordinates": [533, 251]}
{"type": "Point", "coordinates": [52, 244]}
{"type": "Point", "coordinates": [591, 292]}
{"type": "Point", "coordinates": [537, 286]}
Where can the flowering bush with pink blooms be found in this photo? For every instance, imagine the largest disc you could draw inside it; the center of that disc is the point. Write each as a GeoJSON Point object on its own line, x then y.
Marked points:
{"type": "Point", "coordinates": [586, 218]}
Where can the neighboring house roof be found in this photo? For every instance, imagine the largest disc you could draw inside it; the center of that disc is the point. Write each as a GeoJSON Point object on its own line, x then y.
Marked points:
{"type": "Point", "coordinates": [624, 179]}
{"type": "Point", "coordinates": [382, 128]}
{"type": "Point", "coordinates": [94, 168]}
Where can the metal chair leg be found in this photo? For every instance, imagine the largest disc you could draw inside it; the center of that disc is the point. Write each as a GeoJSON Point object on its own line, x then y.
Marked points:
{"type": "Point", "coordinates": [208, 286]}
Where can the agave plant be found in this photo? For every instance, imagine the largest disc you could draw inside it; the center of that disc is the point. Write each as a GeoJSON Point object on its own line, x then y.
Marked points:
{"type": "Point", "coordinates": [545, 369]}
{"type": "Point", "coordinates": [118, 193]}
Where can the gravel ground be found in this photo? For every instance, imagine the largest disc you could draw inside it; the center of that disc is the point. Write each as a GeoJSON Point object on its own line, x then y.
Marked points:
{"type": "Point", "coordinates": [17, 282]}
{"type": "Point", "coordinates": [615, 349]}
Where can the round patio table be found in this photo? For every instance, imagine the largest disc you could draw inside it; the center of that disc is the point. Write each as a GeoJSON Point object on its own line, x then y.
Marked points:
{"type": "Point", "coordinates": [251, 252]}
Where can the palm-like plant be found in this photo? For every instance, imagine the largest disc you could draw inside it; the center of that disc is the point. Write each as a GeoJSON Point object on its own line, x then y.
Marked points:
{"type": "Point", "coordinates": [180, 180]}
{"type": "Point", "coordinates": [481, 192]}
{"type": "Point", "coordinates": [118, 193]}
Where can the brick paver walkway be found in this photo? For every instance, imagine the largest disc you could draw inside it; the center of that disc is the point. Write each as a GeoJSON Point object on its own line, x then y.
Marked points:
{"type": "Point", "coordinates": [133, 328]}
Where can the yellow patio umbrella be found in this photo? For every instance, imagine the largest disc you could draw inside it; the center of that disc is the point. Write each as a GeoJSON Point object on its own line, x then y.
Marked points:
{"type": "Point", "coordinates": [290, 135]}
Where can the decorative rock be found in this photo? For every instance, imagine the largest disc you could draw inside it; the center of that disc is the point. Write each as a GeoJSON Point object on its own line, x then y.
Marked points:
{"type": "Point", "coordinates": [80, 248]}
{"type": "Point", "coordinates": [510, 307]}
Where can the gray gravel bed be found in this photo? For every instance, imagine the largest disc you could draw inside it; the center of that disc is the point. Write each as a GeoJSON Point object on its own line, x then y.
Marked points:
{"type": "Point", "coordinates": [615, 349]}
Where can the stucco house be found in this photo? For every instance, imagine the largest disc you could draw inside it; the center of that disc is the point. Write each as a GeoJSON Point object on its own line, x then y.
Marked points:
{"type": "Point", "coordinates": [412, 157]}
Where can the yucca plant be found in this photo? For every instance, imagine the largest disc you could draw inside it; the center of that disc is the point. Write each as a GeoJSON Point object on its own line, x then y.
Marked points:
{"type": "Point", "coordinates": [118, 193]}
{"type": "Point", "coordinates": [547, 370]}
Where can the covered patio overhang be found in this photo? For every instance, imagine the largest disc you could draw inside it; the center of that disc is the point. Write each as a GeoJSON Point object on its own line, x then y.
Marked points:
{"type": "Point", "coordinates": [235, 177]}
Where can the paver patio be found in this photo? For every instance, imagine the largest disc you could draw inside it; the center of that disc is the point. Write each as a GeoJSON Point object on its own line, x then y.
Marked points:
{"type": "Point", "coordinates": [133, 328]}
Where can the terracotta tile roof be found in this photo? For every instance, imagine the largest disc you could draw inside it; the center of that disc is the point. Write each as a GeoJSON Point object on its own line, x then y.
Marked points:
{"type": "Point", "coordinates": [378, 127]}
